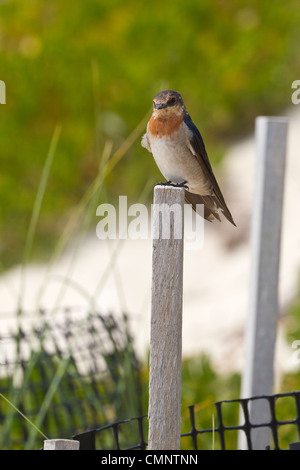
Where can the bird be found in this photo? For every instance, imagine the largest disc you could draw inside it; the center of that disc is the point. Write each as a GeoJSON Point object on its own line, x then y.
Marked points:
{"type": "Point", "coordinates": [179, 151]}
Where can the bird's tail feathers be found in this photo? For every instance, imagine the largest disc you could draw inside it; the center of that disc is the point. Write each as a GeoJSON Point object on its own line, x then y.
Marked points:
{"type": "Point", "coordinates": [211, 206]}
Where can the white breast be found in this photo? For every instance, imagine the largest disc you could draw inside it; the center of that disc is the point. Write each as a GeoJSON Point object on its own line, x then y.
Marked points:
{"type": "Point", "coordinates": [177, 163]}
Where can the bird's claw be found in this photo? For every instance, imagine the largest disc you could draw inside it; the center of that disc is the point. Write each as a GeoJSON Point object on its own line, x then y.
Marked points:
{"type": "Point", "coordinates": [175, 185]}
{"type": "Point", "coordinates": [182, 185]}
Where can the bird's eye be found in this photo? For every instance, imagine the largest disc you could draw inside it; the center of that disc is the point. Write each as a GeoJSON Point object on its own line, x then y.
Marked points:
{"type": "Point", "coordinates": [171, 101]}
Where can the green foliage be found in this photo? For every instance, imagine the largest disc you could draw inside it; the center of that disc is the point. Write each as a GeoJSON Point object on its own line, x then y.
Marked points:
{"type": "Point", "coordinates": [93, 67]}
{"type": "Point", "coordinates": [202, 386]}
{"type": "Point", "coordinates": [64, 386]}
{"type": "Point", "coordinates": [83, 402]}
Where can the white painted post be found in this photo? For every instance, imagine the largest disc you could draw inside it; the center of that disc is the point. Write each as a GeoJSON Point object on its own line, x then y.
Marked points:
{"type": "Point", "coordinates": [61, 444]}
{"type": "Point", "coordinates": [260, 336]}
{"type": "Point", "coordinates": [166, 319]}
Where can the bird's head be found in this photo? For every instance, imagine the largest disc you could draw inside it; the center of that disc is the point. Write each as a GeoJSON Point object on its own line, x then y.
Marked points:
{"type": "Point", "coordinates": [168, 103]}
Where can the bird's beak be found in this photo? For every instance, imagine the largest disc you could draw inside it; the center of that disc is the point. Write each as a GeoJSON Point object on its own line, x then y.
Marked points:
{"type": "Point", "coordinates": [160, 106]}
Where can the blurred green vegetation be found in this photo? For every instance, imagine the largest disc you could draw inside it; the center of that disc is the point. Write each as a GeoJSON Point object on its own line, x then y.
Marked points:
{"type": "Point", "coordinates": [83, 401]}
{"type": "Point", "coordinates": [63, 384]}
{"type": "Point", "coordinates": [93, 67]}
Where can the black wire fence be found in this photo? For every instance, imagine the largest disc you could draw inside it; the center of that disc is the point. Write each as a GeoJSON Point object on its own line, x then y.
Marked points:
{"type": "Point", "coordinates": [101, 383]}
{"type": "Point", "coordinates": [95, 439]}
{"type": "Point", "coordinates": [99, 379]}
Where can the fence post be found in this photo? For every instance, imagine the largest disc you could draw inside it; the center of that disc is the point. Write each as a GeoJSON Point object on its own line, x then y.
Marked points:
{"type": "Point", "coordinates": [166, 319]}
{"type": "Point", "coordinates": [271, 135]}
{"type": "Point", "coordinates": [61, 444]}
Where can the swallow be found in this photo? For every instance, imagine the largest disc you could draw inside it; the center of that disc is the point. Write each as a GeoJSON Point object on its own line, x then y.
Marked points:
{"type": "Point", "coordinates": [179, 151]}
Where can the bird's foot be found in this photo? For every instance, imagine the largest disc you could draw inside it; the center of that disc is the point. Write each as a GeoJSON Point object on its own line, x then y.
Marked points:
{"type": "Point", "coordinates": [182, 185]}
{"type": "Point", "coordinates": [175, 185]}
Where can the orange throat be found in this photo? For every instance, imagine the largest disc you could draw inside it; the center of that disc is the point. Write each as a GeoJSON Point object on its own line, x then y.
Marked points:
{"type": "Point", "coordinates": [165, 125]}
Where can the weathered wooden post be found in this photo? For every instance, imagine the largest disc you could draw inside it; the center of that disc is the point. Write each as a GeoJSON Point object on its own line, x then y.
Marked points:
{"type": "Point", "coordinates": [271, 136]}
{"type": "Point", "coordinates": [61, 444]}
{"type": "Point", "coordinates": [166, 319]}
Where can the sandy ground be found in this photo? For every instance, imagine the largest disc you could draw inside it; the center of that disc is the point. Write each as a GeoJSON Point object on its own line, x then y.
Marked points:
{"type": "Point", "coordinates": [216, 277]}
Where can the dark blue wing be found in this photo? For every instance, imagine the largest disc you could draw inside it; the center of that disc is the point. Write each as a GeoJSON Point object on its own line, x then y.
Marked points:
{"type": "Point", "coordinates": [199, 149]}
{"type": "Point", "coordinates": [200, 153]}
